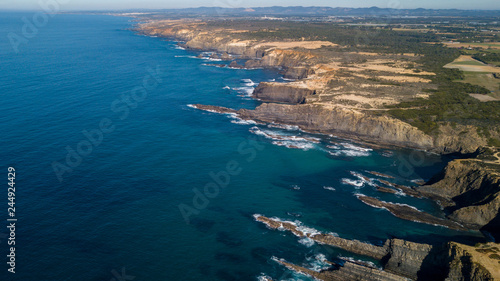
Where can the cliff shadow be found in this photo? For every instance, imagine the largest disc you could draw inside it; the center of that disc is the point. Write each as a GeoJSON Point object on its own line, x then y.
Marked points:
{"type": "Point", "coordinates": [493, 227]}
{"type": "Point", "coordinates": [435, 264]}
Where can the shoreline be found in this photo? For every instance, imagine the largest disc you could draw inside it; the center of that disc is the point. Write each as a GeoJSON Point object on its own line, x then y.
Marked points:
{"type": "Point", "coordinates": [431, 192]}
{"type": "Point", "coordinates": [246, 115]}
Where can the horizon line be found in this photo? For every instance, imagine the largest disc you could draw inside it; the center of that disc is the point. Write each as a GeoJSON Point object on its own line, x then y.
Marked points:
{"type": "Point", "coordinates": [217, 7]}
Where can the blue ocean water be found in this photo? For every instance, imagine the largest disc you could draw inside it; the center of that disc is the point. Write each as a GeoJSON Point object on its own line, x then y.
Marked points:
{"type": "Point", "coordinates": [115, 211]}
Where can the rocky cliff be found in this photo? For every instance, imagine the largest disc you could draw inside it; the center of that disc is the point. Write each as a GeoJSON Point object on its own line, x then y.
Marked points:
{"type": "Point", "coordinates": [467, 263]}
{"type": "Point", "coordinates": [342, 122]}
{"type": "Point", "coordinates": [282, 92]}
{"type": "Point", "coordinates": [469, 191]}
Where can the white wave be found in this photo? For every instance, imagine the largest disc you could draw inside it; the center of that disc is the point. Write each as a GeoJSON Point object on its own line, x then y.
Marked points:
{"type": "Point", "coordinates": [353, 147]}
{"type": "Point", "coordinates": [318, 263]}
{"type": "Point", "coordinates": [349, 153]}
{"type": "Point", "coordinates": [349, 150]}
{"type": "Point", "coordinates": [240, 121]}
{"type": "Point", "coordinates": [367, 263]}
{"type": "Point", "coordinates": [285, 139]}
{"type": "Point", "coordinates": [248, 82]}
{"type": "Point", "coordinates": [307, 231]}
{"type": "Point", "coordinates": [356, 183]}
{"type": "Point", "coordinates": [208, 110]}
{"type": "Point", "coordinates": [283, 126]}
{"type": "Point", "coordinates": [263, 277]}
{"type": "Point", "coordinates": [329, 188]}
{"type": "Point", "coordinates": [287, 79]}
{"type": "Point", "coordinates": [274, 258]}
{"type": "Point", "coordinates": [365, 180]}
{"type": "Point", "coordinates": [255, 216]}
{"type": "Point", "coordinates": [211, 59]}
{"type": "Point", "coordinates": [333, 147]}
{"type": "Point", "coordinates": [296, 187]}
{"type": "Point", "coordinates": [247, 91]}
{"type": "Point", "coordinates": [179, 47]}
{"type": "Point", "coordinates": [308, 242]}
{"type": "Point", "coordinates": [186, 56]}
{"type": "Point", "coordinates": [226, 88]}
{"type": "Point", "coordinates": [296, 145]}
{"type": "Point", "coordinates": [387, 154]}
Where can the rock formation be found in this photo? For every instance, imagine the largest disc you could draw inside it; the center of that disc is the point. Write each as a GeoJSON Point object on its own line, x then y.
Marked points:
{"type": "Point", "coordinates": [401, 260]}
{"type": "Point", "coordinates": [469, 191]}
{"type": "Point", "coordinates": [409, 213]}
{"type": "Point", "coordinates": [282, 92]}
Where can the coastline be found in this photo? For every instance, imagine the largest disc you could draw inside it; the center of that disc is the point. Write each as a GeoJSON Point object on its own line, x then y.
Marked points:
{"type": "Point", "coordinates": [277, 103]}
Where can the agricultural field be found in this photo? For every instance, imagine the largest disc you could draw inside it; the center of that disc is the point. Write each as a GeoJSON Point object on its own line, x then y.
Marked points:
{"type": "Point", "coordinates": [478, 73]}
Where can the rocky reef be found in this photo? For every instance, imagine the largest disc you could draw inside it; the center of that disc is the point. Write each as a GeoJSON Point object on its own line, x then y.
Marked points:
{"type": "Point", "coordinates": [409, 213]}
{"type": "Point", "coordinates": [400, 259]}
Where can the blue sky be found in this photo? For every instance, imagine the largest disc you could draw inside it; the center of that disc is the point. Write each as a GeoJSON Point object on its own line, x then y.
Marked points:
{"type": "Point", "coordinates": [154, 4]}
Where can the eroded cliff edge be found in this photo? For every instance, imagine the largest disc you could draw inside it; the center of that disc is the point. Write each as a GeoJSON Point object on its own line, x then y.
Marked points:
{"type": "Point", "coordinates": [469, 191]}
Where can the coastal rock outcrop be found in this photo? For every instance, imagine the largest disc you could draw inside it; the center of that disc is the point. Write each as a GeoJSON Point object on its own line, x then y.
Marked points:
{"type": "Point", "coordinates": [400, 259]}
{"type": "Point", "coordinates": [299, 72]}
{"type": "Point", "coordinates": [282, 92]}
{"type": "Point", "coordinates": [348, 271]}
{"type": "Point", "coordinates": [466, 141]}
{"type": "Point", "coordinates": [342, 122]}
{"type": "Point", "coordinates": [469, 191]}
{"type": "Point", "coordinates": [409, 213]}
{"type": "Point", "coordinates": [471, 260]}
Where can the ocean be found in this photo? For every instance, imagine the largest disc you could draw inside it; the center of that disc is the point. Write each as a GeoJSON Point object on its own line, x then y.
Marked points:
{"type": "Point", "coordinates": [118, 178]}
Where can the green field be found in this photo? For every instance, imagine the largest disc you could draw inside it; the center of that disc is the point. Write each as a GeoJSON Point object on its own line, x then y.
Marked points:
{"type": "Point", "coordinates": [485, 80]}
{"type": "Point", "coordinates": [467, 63]}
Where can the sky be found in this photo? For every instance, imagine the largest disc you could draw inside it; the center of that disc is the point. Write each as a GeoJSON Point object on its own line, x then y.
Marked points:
{"type": "Point", "coordinates": [165, 4]}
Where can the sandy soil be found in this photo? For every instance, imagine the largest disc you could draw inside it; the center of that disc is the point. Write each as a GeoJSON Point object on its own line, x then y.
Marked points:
{"type": "Point", "coordinates": [494, 45]}
{"type": "Point", "coordinates": [405, 79]}
{"type": "Point", "coordinates": [376, 102]}
{"type": "Point", "coordinates": [483, 98]}
{"type": "Point", "coordinates": [492, 265]}
{"type": "Point", "coordinates": [398, 70]}
{"type": "Point", "coordinates": [297, 44]}
{"type": "Point", "coordinates": [472, 68]}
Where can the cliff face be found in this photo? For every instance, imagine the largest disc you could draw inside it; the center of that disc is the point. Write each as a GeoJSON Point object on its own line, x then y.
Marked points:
{"type": "Point", "coordinates": [282, 92]}
{"type": "Point", "coordinates": [467, 264]}
{"type": "Point", "coordinates": [466, 141]}
{"type": "Point", "coordinates": [471, 193]}
{"type": "Point", "coordinates": [298, 72]}
{"type": "Point", "coordinates": [342, 122]}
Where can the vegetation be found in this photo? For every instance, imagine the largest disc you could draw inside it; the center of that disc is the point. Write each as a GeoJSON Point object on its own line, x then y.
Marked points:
{"type": "Point", "coordinates": [450, 103]}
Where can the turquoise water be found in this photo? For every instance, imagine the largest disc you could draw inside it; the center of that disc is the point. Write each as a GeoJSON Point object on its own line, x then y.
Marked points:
{"type": "Point", "coordinates": [119, 208]}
